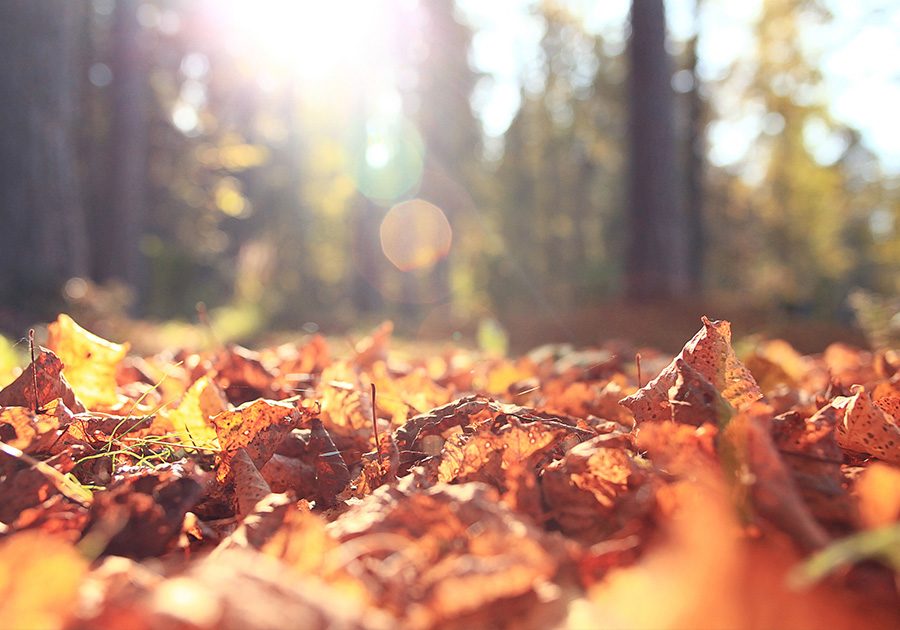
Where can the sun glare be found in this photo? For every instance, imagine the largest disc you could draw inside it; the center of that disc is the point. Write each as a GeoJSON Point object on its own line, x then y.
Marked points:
{"type": "Point", "coordinates": [315, 39]}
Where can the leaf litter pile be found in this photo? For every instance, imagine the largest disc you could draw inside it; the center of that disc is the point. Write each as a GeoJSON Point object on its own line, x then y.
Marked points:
{"type": "Point", "coordinates": [289, 488]}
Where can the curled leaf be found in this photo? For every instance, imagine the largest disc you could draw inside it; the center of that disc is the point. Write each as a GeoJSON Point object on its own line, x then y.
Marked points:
{"type": "Point", "coordinates": [866, 427]}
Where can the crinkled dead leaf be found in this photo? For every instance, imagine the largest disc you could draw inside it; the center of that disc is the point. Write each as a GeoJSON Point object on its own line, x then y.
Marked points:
{"type": "Point", "coordinates": [260, 523]}
{"type": "Point", "coordinates": [90, 362]}
{"type": "Point", "coordinates": [284, 473]}
{"type": "Point", "coordinates": [709, 353]}
{"type": "Point", "coordinates": [694, 399]}
{"type": "Point", "coordinates": [51, 384]}
{"type": "Point", "coordinates": [344, 400]}
{"type": "Point", "coordinates": [443, 552]}
{"type": "Point", "coordinates": [30, 432]}
{"type": "Point", "coordinates": [597, 489]}
{"type": "Point", "coordinates": [809, 449]}
{"type": "Point", "coordinates": [867, 428]}
{"type": "Point", "coordinates": [487, 455]}
{"type": "Point", "coordinates": [141, 515]}
{"type": "Point", "coordinates": [243, 377]}
{"type": "Point", "coordinates": [258, 426]}
{"type": "Point", "coordinates": [332, 474]}
{"type": "Point", "coordinates": [439, 421]}
{"type": "Point", "coordinates": [39, 579]}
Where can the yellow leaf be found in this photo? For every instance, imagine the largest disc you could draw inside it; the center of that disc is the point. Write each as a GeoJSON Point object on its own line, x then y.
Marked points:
{"type": "Point", "coordinates": [90, 362]}
{"type": "Point", "coordinates": [191, 418]}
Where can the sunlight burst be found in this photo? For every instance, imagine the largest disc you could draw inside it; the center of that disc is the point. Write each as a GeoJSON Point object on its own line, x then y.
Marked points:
{"type": "Point", "coordinates": [313, 39]}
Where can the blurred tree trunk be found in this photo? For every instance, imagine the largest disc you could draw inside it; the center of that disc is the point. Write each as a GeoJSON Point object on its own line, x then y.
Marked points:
{"type": "Point", "coordinates": [696, 166]}
{"type": "Point", "coordinates": [656, 261]}
{"type": "Point", "coordinates": [445, 118]}
{"type": "Point", "coordinates": [120, 234]}
{"type": "Point", "coordinates": [43, 240]}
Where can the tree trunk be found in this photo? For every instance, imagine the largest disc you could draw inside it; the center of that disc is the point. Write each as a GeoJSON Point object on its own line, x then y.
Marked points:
{"type": "Point", "coordinates": [43, 240]}
{"type": "Point", "coordinates": [656, 263]}
{"type": "Point", "coordinates": [696, 167]}
{"type": "Point", "coordinates": [126, 214]}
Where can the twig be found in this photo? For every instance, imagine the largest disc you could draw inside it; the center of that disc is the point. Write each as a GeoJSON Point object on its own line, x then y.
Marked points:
{"type": "Point", "coordinates": [33, 370]}
{"type": "Point", "coordinates": [375, 428]}
{"type": "Point", "coordinates": [637, 361]}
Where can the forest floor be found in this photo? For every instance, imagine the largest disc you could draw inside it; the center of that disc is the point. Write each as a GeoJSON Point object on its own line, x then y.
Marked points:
{"type": "Point", "coordinates": [363, 482]}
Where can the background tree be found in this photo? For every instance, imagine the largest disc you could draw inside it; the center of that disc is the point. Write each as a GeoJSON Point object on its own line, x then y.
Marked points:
{"type": "Point", "coordinates": [43, 240]}
{"type": "Point", "coordinates": [656, 261]}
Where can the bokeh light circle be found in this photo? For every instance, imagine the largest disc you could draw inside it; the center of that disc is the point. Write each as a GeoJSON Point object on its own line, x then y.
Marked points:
{"type": "Point", "coordinates": [415, 235]}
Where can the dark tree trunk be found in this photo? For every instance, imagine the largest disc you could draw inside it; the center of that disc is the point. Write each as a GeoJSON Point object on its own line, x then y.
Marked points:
{"type": "Point", "coordinates": [126, 214]}
{"type": "Point", "coordinates": [367, 257]}
{"type": "Point", "coordinates": [696, 168]}
{"type": "Point", "coordinates": [43, 238]}
{"type": "Point", "coordinates": [656, 263]}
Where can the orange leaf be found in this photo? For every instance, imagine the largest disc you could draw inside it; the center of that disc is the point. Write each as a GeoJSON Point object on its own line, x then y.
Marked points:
{"type": "Point", "coordinates": [710, 354]}
{"type": "Point", "coordinates": [258, 427]}
{"type": "Point", "coordinates": [867, 428]}
{"type": "Point", "coordinates": [39, 580]}
{"type": "Point", "coordinates": [878, 491]}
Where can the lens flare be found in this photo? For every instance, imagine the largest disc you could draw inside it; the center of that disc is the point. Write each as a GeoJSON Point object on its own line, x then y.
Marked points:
{"type": "Point", "coordinates": [415, 235]}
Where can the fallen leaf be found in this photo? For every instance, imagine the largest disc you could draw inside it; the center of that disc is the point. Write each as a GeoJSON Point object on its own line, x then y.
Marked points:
{"type": "Point", "coordinates": [192, 417]}
{"type": "Point", "coordinates": [51, 384]}
{"type": "Point", "coordinates": [710, 354]}
{"type": "Point", "coordinates": [258, 426]}
{"type": "Point", "coordinates": [39, 580]}
{"type": "Point", "coordinates": [90, 362]}
{"type": "Point", "coordinates": [867, 428]}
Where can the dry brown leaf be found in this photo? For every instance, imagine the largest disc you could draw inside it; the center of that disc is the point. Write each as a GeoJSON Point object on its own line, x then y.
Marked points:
{"type": "Point", "coordinates": [709, 353]}
{"type": "Point", "coordinates": [259, 427]}
{"type": "Point", "coordinates": [809, 449]}
{"type": "Point", "coordinates": [51, 384]}
{"type": "Point", "coordinates": [593, 491]}
{"type": "Point", "coordinates": [454, 550]}
{"type": "Point", "coordinates": [141, 515]}
{"type": "Point", "coordinates": [21, 428]}
{"type": "Point", "coordinates": [866, 428]}
{"type": "Point", "coordinates": [332, 474]}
